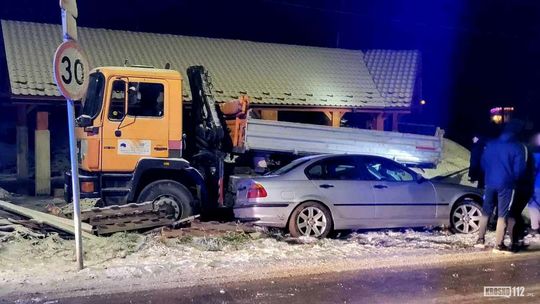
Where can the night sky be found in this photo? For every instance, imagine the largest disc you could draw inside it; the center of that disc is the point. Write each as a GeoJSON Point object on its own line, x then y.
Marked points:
{"type": "Point", "coordinates": [476, 54]}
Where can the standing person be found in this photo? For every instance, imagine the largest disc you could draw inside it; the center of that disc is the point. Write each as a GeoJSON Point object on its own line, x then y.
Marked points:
{"type": "Point", "coordinates": [476, 173]}
{"type": "Point", "coordinates": [503, 162]}
{"type": "Point", "coordinates": [523, 194]}
{"type": "Point", "coordinates": [534, 203]}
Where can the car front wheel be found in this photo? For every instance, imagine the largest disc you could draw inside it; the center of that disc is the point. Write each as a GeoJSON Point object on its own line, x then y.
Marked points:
{"type": "Point", "coordinates": [310, 219]}
{"type": "Point", "coordinates": [465, 216]}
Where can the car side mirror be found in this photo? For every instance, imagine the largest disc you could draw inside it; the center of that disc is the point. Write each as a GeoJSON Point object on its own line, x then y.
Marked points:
{"type": "Point", "coordinates": [84, 121]}
{"type": "Point", "coordinates": [420, 179]}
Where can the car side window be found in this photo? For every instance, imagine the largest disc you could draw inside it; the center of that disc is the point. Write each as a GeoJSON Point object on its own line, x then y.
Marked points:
{"type": "Point", "coordinates": [339, 168]}
{"type": "Point", "coordinates": [385, 170]}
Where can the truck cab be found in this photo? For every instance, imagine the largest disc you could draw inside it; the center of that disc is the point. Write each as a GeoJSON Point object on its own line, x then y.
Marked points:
{"type": "Point", "coordinates": [129, 136]}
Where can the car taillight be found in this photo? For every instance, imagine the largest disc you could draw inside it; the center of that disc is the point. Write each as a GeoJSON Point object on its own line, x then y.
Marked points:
{"type": "Point", "coordinates": [256, 190]}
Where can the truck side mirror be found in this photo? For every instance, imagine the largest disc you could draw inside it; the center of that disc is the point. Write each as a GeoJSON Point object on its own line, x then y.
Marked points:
{"type": "Point", "coordinates": [84, 121]}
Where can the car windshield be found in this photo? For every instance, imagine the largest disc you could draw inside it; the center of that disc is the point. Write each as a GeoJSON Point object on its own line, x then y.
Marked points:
{"type": "Point", "coordinates": [94, 96]}
{"type": "Point", "coordinates": [292, 165]}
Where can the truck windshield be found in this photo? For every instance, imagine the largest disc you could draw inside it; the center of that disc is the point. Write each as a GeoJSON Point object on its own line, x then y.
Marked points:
{"type": "Point", "coordinates": [94, 96]}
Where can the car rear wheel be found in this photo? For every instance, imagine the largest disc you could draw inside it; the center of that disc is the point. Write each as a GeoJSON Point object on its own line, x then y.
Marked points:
{"type": "Point", "coordinates": [465, 216]}
{"type": "Point", "coordinates": [310, 219]}
{"type": "Point", "coordinates": [170, 197]}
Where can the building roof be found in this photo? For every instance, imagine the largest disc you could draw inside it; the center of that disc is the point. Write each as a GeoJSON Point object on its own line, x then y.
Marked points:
{"type": "Point", "coordinates": [271, 74]}
{"type": "Point", "coordinates": [394, 72]}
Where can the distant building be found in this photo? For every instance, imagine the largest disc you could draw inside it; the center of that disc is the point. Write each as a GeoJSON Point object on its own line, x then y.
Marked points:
{"type": "Point", "coordinates": [501, 115]}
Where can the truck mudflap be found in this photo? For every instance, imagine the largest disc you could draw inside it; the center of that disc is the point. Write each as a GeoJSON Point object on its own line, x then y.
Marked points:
{"type": "Point", "coordinates": [83, 178]}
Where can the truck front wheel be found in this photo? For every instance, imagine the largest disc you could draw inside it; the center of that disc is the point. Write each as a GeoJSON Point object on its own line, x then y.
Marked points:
{"type": "Point", "coordinates": [170, 196]}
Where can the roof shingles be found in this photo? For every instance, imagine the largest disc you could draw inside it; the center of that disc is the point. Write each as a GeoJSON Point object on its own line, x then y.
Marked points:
{"type": "Point", "coordinates": [275, 74]}
{"type": "Point", "coordinates": [394, 72]}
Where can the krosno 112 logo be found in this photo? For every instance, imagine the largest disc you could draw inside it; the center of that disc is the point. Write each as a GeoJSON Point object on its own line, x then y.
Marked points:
{"type": "Point", "coordinates": [504, 291]}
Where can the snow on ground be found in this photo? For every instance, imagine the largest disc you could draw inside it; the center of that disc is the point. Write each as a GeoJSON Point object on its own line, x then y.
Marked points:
{"type": "Point", "coordinates": [48, 263]}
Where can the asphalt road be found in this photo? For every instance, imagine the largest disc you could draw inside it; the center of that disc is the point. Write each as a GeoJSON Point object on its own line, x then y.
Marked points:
{"type": "Point", "coordinates": [453, 284]}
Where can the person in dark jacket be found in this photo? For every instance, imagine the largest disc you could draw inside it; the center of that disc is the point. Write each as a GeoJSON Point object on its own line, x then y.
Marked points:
{"type": "Point", "coordinates": [476, 173]}
{"type": "Point", "coordinates": [523, 193]}
{"type": "Point", "coordinates": [504, 162]}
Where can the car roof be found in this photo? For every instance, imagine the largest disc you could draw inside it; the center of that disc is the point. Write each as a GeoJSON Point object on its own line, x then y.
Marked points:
{"type": "Point", "coordinates": [323, 156]}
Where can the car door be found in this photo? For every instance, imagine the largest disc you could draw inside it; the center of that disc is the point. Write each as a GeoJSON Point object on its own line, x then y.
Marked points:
{"type": "Point", "coordinates": [400, 196]}
{"type": "Point", "coordinates": [342, 183]}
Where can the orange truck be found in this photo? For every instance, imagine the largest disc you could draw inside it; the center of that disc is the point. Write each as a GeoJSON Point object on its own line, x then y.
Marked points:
{"type": "Point", "coordinates": [135, 137]}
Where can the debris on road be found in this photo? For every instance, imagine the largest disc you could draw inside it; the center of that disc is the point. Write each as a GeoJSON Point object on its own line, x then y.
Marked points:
{"type": "Point", "coordinates": [4, 195]}
{"type": "Point", "coordinates": [11, 229]}
{"type": "Point", "coordinates": [63, 224]}
{"type": "Point", "coordinates": [204, 229]}
{"type": "Point", "coordinates": [301, 240]}
{"type": "Point", "coordinates": [67, 209]}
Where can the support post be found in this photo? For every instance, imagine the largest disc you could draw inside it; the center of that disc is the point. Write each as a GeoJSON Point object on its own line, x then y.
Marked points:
{"type": "Point", "coordinates": [334, 118]}
{"type": "Point", "coordinates": [42, 154]}
{"type": "Point", "coordinates": [379, 121]}
{"type": "Point", "coordinates": [22, 143]}
{"type": "Point", "coordinates": [395, 122]}
{"type": "Point", "coordinates": [269, 114]}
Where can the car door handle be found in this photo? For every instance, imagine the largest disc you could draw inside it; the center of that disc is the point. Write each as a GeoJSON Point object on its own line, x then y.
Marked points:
{"type": "Point", "coordinates": [380, 186]}
{"type": "Point", "coordinates": [326, 186]}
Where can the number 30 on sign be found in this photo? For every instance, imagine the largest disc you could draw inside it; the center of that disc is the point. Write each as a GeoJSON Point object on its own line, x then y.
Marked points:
{"type": "Point", "coordinates": [71, 70]}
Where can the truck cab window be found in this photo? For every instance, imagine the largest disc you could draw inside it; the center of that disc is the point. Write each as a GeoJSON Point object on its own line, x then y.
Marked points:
{"type": "Point", "coordinates": [118, 100]}
{"type": "Point", "coordinates": [145, 99]}
{"type": "Point", "coordinates": [94, 97]}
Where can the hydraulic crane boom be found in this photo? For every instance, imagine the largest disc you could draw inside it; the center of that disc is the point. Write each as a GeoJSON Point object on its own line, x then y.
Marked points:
{"type": "Point", "coordinates": [207, 132]}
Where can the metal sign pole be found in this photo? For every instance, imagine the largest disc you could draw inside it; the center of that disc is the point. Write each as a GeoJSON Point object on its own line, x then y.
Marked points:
{"type": "Point", "coordinates": [75, 182]}
{"type": "Point", "coordinates": [71, 77]}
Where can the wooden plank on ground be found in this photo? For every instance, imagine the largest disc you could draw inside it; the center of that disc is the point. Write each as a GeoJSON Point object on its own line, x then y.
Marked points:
{"type": "Point", "coordinates": [63, 224]}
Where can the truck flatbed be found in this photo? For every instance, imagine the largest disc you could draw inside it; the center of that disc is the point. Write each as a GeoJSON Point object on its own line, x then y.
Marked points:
{"type": "Point", "coordinates": [303, 139]}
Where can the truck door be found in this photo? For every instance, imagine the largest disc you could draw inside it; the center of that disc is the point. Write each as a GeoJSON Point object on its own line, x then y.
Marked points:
{"type": "Point", "coordinates": [135, 123]}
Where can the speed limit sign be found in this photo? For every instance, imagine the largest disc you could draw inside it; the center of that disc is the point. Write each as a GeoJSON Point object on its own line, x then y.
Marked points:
{"type": "Point", "coordinates": [71, 70]}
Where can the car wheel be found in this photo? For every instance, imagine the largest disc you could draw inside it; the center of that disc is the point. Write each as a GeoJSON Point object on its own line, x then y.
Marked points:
{"type": "Point", "coordinates": [169, 196]}
{"type": "Point", "coordinates": [465, 216]}
{"type": "Point", "coordinates": [310, 219]}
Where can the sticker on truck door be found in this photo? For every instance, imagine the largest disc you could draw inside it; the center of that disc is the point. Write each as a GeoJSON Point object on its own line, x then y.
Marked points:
{"type": "Point", "coordinates": [134, 147]}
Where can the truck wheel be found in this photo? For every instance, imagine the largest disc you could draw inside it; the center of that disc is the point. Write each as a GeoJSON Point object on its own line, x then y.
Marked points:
{"type": "Point", "coordinates": [169, 195]}
{"type": "Point", "coordinates": [310, 219]}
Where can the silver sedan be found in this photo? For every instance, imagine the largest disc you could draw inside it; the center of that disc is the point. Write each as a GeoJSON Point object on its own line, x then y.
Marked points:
{"type": "Point", "coordinates": [317, 194]}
